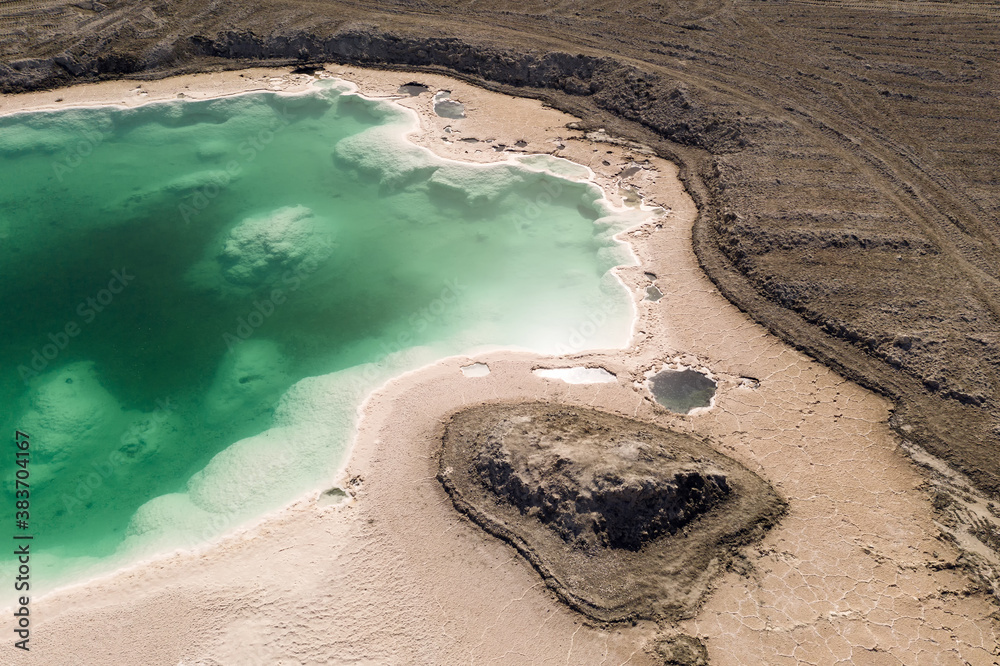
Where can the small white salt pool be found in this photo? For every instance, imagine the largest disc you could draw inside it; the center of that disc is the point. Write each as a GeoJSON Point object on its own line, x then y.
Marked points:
{"type": "Point", "coordinates": [476, 370]}
{"type": "Point", "coordinates": [577, 375]}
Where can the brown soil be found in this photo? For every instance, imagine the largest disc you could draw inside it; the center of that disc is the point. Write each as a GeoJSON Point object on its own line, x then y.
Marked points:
{"type": "Point", "coordinates": [841, 153]}
{"type": "Point", "coordinates": [623, 519]}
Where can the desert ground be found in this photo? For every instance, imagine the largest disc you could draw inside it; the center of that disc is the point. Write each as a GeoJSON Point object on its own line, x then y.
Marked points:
{"type": "Point", "coordinates": [860, 569]}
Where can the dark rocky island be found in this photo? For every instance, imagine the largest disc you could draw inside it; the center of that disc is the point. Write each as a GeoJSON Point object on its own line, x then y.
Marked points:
{"type": "Point", "coordinates": [623, 519]}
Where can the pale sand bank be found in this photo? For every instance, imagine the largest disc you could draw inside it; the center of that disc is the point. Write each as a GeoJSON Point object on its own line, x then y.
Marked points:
{"type": "Point", "coordinates": [853, 574]}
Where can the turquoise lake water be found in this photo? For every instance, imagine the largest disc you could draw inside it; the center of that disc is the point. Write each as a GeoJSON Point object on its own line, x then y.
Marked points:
{"type": "Point", "coordinates": [197, 296]}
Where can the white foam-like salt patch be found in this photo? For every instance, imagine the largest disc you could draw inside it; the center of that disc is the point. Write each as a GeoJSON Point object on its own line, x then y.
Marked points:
{"type": "Point", "coordinates": [477, 186]}
{"type": "Point", "coordinates": [253, 473]}
{"type": "Point", "coordinates": [475, 370]}
{"type": "Point", "coordinates": [382, 151]}
{"type": "Point", "coordinates": [557, 166]}
{"type": "Point", "coordinates": [577, 375]}
{"type": "Point", "coordinates": [329, 402]}
{"type": "Point", "coordinates": [615, 255]}
{"type": "Point", "coordinates": [167, 517]}
{"type": "Point", "coordinates": [260, 249]}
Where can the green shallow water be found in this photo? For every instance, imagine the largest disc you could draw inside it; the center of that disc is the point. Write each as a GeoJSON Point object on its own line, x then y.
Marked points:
{"type": "Point", "coordinates": [197, 296]}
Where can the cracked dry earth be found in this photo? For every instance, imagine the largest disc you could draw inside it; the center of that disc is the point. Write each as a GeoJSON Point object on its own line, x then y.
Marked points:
{"type": "Point", "coordinates": [855, 573]}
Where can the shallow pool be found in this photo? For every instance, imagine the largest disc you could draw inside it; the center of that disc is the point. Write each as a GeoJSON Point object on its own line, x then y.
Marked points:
{"type": "Point", "coordinates": [682, 390]}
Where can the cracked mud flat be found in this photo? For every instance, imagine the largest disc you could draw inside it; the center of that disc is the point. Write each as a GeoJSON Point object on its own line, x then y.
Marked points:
{"type": "Point", "coordinates": [854, 573]}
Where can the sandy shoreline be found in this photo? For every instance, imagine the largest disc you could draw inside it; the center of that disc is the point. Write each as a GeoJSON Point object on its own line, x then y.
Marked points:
{"type": "Point", "coordinates": [855, 571]}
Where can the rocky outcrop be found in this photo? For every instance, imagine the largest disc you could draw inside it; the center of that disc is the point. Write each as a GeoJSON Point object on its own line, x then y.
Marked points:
{"type": "Point", "coordinates": [597, 501]}
{"type": "Point", "coordinates": [623, 519]}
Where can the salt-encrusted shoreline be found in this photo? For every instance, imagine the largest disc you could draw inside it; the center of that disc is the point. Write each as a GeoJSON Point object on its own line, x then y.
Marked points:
{"type": "Point", "coordinates": [635, 214]}
{"type": "Point", "coordinates": [395, 575]}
